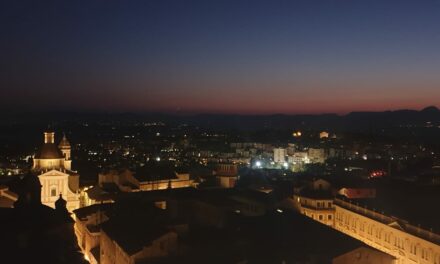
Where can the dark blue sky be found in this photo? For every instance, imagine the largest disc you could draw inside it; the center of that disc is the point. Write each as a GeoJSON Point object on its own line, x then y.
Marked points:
{"type": "Point", "coordinates": [220, 56]}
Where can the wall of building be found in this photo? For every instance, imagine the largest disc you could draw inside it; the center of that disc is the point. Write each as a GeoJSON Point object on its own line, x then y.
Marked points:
{"type": "Point", "coordinates": [316, 155]}
{"type": "Point", "coordinates": [358, 193]}
{"type": "Point", "coordinates": [123, 179]}
{"type": "Point", "coordinates": [89, 238]}
{"type": "Point", "coordinates": [52, 184]}
{"type": "Point", "coordinates": [320, 210]}
{"type": "Point", "coordinates": [107, 250]}
{"type": "Point", "coordinates": [227, 169]}
{"type": "Point", "coordinates": [163, 184]}
{"type": "Point", "coordinates": [407, 243]}
{"type": "Point", "coordinates": [382, 233]}
{"type": "Point", "coordinates": [48, 163]}
{"type": "Point", "coordinates": [227, 181]}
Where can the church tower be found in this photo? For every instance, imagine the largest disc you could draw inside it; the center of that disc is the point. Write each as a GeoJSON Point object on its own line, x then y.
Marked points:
{"type": "Point", "coordinates": [65, 148]}
{"type": "Point", "coordinates": [52, 165]}
{"type": "Point", "coordinates": [49, 137]}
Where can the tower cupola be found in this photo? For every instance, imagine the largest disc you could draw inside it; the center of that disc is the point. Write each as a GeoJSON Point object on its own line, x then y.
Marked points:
{"type": "Point", "coordinates": [65, 148]}
{"type": "Point", "coordinates": [49, 137]}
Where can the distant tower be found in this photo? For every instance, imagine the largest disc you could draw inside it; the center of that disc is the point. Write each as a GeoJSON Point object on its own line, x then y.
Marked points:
{"type": "Point", "coordinates": [65, 148]}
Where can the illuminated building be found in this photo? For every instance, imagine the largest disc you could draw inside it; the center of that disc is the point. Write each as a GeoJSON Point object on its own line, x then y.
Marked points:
{"type": "Point", "coordinates": [407, 243]}
{"type": "Point", "coordinates": [279, 155]}
{"type": "Point", "coordinates": [316, 202]}
{"type": "Point", "coordinates": [180, 180]}
{"type": "Point", "coordinates": [357, 192]}
{"type": "Point", "coordinates": [227, 175]}
{"type": "Point", "coordinates": [323, 134]}
{"type": "Point", "coordinates": [87, 229]}
{"type": "Point", "coordinates": [146, 179]}
{"type": "Point", "coordinates": [106, 236]}
{"type": "Point", "coordinates": [118, 249]}
{"type": "Point", "coordinates": [52, 164]}
{"type": "Point", "coordinates": [316, 155]}
{"type": "Point", "coordinates": [7, 198]}
{"type": "Point", "coordinates": [396, 237]}
{"type": "Point", "coordinates": [299, 157]}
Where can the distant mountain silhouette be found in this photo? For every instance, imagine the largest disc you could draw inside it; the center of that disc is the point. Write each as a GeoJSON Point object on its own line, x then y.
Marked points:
{"type": "Point", "coordinates": [430, 109]}
{"type": "Point", "coordinates": [351, 121]}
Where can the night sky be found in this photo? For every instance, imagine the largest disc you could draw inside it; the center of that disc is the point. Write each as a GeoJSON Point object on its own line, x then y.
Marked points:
{"type": "Point", "coordinates": [219, 56]}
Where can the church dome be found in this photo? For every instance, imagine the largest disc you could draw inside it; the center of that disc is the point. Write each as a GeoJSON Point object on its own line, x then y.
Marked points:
{"type": "Point", "coordinates": [49, 151]}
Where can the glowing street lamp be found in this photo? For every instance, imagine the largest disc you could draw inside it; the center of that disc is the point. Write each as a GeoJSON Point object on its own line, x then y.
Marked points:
{"type": "Point", "coordinates": [258, 164]}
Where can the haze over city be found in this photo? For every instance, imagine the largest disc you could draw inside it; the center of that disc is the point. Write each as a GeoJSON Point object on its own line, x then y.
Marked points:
{"type": "Point", "coordinates": [246, 57]}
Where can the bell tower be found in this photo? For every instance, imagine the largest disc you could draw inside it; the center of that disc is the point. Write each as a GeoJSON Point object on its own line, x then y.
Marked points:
{"type": "Point", "coordinates": [65, 148]}
{"type": "Point", "coordinates": [49, 137]}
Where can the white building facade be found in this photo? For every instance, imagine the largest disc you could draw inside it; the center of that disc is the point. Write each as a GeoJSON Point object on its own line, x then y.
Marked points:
{"type": "Point", "coordinates": [279, 155]}
{"type": "Point", "coordinates": [52, 164]}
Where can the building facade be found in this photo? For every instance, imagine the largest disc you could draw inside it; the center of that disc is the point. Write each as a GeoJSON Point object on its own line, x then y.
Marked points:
{"type": "Point", "coordinates": [279, 155]}
{"type": "Point", "coordinates": [88, 231]}
{"type": "Point", "coordinates": [112, 252]}
{"type": "Point", "coordinates": [409, 244]}
{"type": "Point", "coordinates": [393, 236]}
{"type": "Point", "coordinates": [52, 164]}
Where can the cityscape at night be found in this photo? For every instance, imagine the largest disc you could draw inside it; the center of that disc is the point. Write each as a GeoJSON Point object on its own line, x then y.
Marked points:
{"type": "Point", "coordinates": [289, 132]}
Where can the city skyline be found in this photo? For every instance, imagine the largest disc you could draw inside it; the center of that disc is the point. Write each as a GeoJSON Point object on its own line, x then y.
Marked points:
{"type": "Point", "coordinates": [258, 57]}
{"type": "Point", "coordinates": [220, 131]}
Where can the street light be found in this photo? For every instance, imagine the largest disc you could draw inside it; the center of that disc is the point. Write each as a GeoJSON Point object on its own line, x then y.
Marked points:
{"type": "Point", "coordinates": [258, 164]}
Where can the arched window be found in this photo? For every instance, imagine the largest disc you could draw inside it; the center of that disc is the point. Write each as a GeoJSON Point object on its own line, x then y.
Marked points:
{"type": "Point", "coordinates": [53, 191]}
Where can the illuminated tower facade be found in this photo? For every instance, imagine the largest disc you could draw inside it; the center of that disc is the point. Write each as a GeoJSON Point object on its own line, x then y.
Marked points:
{"type": "Point", "coordinates": [52, 165]}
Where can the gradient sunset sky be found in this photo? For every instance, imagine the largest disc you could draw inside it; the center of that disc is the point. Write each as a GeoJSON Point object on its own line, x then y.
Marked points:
{"type": "Point", "coordinates": [220, 56]}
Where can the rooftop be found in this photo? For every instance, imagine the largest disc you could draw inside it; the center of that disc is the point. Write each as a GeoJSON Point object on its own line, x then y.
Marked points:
{"type": "Point", "coordinates": [83, 212]}
{"type": "Point", "coordinates": [137, 231]}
